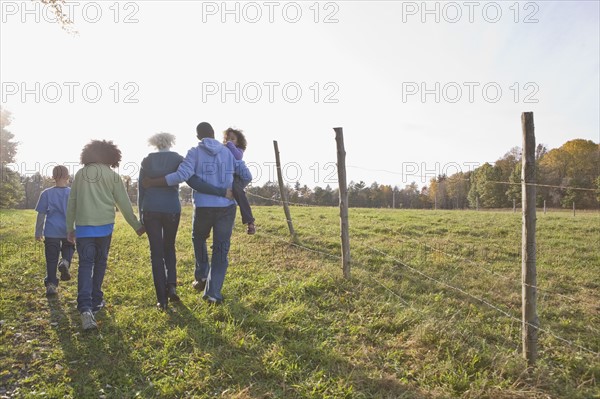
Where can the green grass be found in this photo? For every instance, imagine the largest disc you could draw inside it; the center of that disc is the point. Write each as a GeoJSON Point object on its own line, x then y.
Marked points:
{"type": "Point", "coordinates": [293, 327]}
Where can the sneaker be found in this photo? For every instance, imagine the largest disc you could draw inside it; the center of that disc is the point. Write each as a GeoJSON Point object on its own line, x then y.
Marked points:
{"type": "Point", "coordinates": [63, 268]}
{"type": "Point", "coordinates": [51, 289]}
{"type": "Point", "coordinates": [172, 293]}
{"type": "Point", "coordinates": [161, 307]}
{"type": "Point", "coordinates": [88, 322]}
{"type": "Point", "coordinates": [99, 307]}
{"type": "Point", "coordinates": [251, 228]}
{"type": "Point", "coordinates": [199, 285]}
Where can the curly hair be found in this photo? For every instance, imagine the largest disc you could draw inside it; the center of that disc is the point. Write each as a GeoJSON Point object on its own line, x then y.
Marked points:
{"type": "Point", "coordinates": [162, 140]}
{"type": "Point", "coordinates": [241, 139]}
{"type": "Point", "coordinates": [101, 151]}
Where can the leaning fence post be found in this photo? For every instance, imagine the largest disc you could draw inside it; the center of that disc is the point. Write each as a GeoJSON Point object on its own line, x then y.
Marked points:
{"type": "Point", "coordinates": [530, 323]}
{"type": "Point", "coordinates": [341, 167]}
{"type": "Point", "coordinates": [283, 192]}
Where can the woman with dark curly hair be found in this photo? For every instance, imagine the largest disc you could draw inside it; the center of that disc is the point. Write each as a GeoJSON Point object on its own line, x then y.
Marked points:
{"type": "Point", "coordinates": [95, 191]}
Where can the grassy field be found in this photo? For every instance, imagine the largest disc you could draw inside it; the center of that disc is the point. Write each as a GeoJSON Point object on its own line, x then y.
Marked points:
{"type": "Point", "coordinates": [432, 311]}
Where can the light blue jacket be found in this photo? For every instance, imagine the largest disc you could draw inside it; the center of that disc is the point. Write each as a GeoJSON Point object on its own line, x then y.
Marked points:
{"type": "Point", "coordinates": [213, 163]}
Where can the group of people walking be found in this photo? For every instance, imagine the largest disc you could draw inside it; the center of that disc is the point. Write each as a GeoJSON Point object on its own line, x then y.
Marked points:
{"type": "Point", "coordinates": [82, 216]}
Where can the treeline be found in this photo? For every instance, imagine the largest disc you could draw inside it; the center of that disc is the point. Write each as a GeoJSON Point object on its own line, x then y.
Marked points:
{"type": "Point", "coordinates": [566, 175]}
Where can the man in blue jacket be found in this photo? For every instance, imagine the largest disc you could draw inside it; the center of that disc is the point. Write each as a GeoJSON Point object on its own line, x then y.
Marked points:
{"type": "Point", "coordinates": [213, 163]}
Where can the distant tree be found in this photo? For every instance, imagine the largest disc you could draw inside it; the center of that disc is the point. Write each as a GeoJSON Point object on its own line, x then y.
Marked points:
{"type": "Point", "coordinates": [574, 164]}
{"type": "Point", "coordinates": [438, 192]}
{"type": "Point", "coordinates": [8, 147]}
{"type": "Point", "coordinates": [514, 189]}
{"type": "Point", "coordinates": [409, 197]}
{"type": "Point", "coordinates": [325, 197]}
{"type": "Point", "coordinates": [11, 190]}
{"type": "Point", "coordinates": [540, 151]}
{"type": "Point", "coordinates": [458, 188]}
{"type": "Point", "coordinates": [486, 185]}
{"type": "Point", "coordinates": [267, 194]}
{"type": "Point", "coordinates": [33, 187]}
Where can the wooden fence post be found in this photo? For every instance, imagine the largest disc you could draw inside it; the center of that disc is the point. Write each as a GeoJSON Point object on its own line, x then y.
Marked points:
{"type": "Point", "coordinates": [544, 207]}
{"type": "Point", "coordinates": [530, 321]}
{"type": "Point", "coordinates": [341, 167]}
{"type": "Point", "coordinates": [283, 192]}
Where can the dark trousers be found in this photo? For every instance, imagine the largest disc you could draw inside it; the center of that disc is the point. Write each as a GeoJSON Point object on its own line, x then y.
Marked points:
{"type": "Point", "coordinates": [161, 228]}
{"type": "Point", "coordinates": [240, 197]}
{"type": "Point", "coordinates": [55, 248]}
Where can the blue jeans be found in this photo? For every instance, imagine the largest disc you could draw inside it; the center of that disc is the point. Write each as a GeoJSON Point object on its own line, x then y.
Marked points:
{"type": "Point", "coordinates": [93, 256]}
{"type": "Point", "coordinates": [240, 197]}
{"type": "Point", "coordinates": [161, 228]}
{"type": "Point", "coordinates": [55, 247]}
{"type": "Point", "coordinates": [220, 221]}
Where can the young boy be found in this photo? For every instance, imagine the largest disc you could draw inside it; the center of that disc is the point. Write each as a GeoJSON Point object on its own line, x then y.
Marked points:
{"type": "Point", "coordinates": [51, 227]}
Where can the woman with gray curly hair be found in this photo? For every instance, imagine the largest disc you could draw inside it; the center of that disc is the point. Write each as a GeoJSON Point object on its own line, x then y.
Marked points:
{"type": "Point", "coordinates": [160, 211]}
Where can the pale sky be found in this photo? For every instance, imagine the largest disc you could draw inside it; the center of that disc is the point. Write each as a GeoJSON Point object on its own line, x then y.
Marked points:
{"type": "Point", "coordinates": [364, 70]}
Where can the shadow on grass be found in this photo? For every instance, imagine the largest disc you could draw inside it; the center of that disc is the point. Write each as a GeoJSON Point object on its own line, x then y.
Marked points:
{"type": "Point", "coordinates": [270, 359]}
{"type": "Point", "coordinates": [99, 361]}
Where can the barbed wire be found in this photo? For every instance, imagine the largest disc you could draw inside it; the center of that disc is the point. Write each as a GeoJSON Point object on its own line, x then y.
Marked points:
{"type": "Point", "coordinates": [487, 303]}
{"type": "Point", "coordinates": [482, 267]}
{"type": "Point", "coordinates": [428, 177]}
{"type": "Point", "coordinates": [280, 201]}
{"type": "Point", "coordinates": [447, 285]}
{"type": "Point", "coordinates": [471, 262]}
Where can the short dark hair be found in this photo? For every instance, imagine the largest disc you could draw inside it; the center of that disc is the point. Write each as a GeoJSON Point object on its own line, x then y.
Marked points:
{"type": "Point", "coordinates": [101, 151]}
{"type": "Point", "coordinates": [60, 172]}
{"type": "Point", "coordinates": [241, 139]}
{"type": "Point", "coordinates": [203, 130]}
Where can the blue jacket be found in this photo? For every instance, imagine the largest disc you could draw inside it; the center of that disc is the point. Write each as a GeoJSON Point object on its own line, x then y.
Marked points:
{"type": "Point", "coordinates": [159, 199]}
{"type": "Point", "coordinates": [214, 164]}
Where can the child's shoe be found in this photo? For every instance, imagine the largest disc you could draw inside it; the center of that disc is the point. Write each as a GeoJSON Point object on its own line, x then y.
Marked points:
{"type": "Point", "coordinates": [51, 289]}
{"type": "Point", "coordinates": [63, 268]}
{"type": "Point", "coordinates": [88, 322]}
{"type": "Point", "coordinates": [251, 228]}
{"type": "Point", "coordinates": [99, 307]}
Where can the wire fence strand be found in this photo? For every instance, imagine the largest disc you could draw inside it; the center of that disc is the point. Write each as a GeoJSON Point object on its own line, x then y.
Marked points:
{"type": "Point", "coordinates": [444, 284]}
